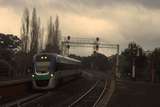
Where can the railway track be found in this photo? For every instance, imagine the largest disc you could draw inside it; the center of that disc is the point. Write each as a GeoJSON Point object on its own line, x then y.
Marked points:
{"type": "Point", "coordinates": [86, 95]}
{"type": "Point", "coordinates": [62, 96]}
{"type": "Point", "coordinates": [91, 97]}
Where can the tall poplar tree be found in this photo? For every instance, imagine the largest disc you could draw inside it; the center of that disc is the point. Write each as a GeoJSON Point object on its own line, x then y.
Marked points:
{"type": "Point", "coordinates": [25, 30]}
{"type": "Point", "coordinates": [56, 38]}
{"type": "Point", "coordinates": [35, 31]}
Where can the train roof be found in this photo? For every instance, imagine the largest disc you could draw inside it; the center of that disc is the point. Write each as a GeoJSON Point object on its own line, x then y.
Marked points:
{"type": "Point", "coordinates": [61, 58]}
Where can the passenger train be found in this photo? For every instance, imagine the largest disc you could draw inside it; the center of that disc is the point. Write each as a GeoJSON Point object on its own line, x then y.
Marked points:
{"type": "Point", "coordinates": [49, 69]}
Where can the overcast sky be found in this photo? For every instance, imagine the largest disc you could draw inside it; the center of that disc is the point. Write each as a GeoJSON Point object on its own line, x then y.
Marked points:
{"type": "Point", "coordinates": [115, 21]}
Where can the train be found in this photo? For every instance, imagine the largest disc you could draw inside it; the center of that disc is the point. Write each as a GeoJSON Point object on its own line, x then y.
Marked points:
{"type": "Point", "coordinates": [50, 69]}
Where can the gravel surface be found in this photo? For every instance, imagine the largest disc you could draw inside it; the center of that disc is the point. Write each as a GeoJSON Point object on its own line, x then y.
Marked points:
{"type": "Point", "coordinates": [135, 94]}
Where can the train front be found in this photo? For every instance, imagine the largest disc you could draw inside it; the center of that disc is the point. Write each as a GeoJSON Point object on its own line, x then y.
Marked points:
{"type": "Point", "coordinates": [44, 68]}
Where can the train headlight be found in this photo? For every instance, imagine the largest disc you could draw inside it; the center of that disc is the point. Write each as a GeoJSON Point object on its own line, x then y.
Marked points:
{"type": "Point", "coordinates": [51, 75]}
{"type": "Point", "coordinates": [32, 75]}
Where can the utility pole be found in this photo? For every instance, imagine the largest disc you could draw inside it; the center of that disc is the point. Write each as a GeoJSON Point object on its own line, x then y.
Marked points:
{"type": "Point", "coordinates": [133, 68]}
{"type": "Point", "coordinates": [96, 46]}
{"type": "Point", "coordinates": [117, 63]}
{"type": "Point", "coordinates": [65, 46]}
{"type": "Point", "coordinates": [68, 45]}
{"type": "Point", "coordinates": [152, 68]}
{"type": "Point", "coordinates": [149, 54]}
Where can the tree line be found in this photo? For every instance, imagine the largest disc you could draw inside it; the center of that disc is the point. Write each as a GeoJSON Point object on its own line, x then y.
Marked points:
{"type": "Point", "coordinates": [147, 63]}
{"type": "Point", "coordinates": [17, 53]}
{"type": "Point", "coordinates": [32, 34]}
{"type": "Point", "coordinates": [96, 61]}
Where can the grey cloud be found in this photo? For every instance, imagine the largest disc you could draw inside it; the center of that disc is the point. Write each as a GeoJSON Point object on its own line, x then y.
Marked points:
{"type": "Point", "coordinates": [77, 5]}
{"type": "Point", "coordinates": [145, 34]}
{"type": "Point", "coordinates": [12, 3]}
{"type": "Point", "coordinates": [87, 3]}
{"type": "Point", "coordinates": [103, 3]}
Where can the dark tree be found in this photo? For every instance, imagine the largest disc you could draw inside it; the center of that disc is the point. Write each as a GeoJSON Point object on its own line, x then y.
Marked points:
{"type": "Point", "coordinates": [155, 56]}
{"type": "Point", "coordinates": [50, 35]}
{"type": "Point", "coordinates": [53, 42]}
{"type": "Point", "coordinates": [10, 46]}
{"type": "Point", "coordinates": [35, 31]}
{"type": "Point", "coordinates": [56, 38]}
{"type": "Point", "coordinates": [25, 30]}
{"type": "Point", "coordinates": [136, 53]}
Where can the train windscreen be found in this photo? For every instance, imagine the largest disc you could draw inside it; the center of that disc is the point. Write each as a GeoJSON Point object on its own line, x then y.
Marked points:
{"type": "Point", "coordinates": [42, 67]}
{"type": "Point", "coordinates": [44, 63]}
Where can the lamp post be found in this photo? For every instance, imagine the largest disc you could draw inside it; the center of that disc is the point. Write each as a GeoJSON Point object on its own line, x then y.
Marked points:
{"type": "Point", "coordinates": [133, 69]}
{"type": "Point", "coordinates": [135, 53]}
{"type": "Point", "coordinates": [152, 68]}
{"type": "Point", "coordinates": [117, 63]}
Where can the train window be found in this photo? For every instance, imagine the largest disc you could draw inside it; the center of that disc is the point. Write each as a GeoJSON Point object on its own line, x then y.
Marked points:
{"type": "Point", "coordinates": [42, 67]}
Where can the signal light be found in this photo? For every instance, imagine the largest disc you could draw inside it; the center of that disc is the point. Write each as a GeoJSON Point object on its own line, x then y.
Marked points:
{"type": "Point", "coordinates": [51, 75]}
{"type": "Point", "coordinates": [97, 39]}
{"type": "Point", "coordinates": [2, 42]}
{"type": "Point", "coordinates": [97, 47]}
{"type": "Point", "coordinates": [68, 37]}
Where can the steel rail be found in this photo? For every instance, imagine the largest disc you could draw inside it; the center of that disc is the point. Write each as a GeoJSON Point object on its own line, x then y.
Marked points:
{"type": "Point", "coordinates": [23, 101]}
{"type": "Point", "coordinates": [85, 94]}
{"type": "Point", "coordinates": [46, 94]}
{"type": "Point", "coordinates": [106, 86]}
